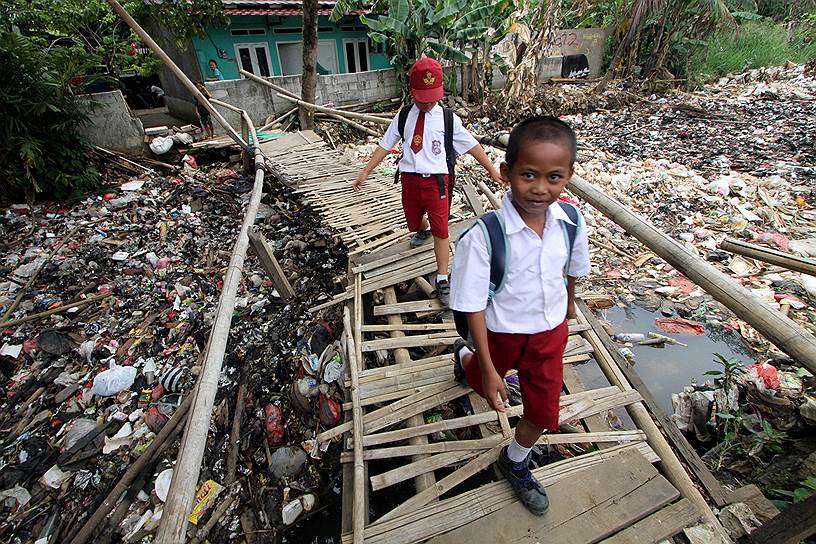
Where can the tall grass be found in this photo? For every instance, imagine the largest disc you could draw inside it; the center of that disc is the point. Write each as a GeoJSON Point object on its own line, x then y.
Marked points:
{"type": "Point", "coordinates": [755, 44]}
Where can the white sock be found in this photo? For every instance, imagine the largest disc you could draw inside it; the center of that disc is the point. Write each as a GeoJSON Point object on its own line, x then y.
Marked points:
{"type": "Point", "coordinates": [516, 452]}
{"type": "Point", "coordinates": [464, 351]}
{"type": "Point", "coordinates": [441, 277]}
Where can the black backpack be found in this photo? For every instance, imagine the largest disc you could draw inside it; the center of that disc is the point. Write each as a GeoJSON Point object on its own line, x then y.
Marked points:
{"type": "Point", "coordinates": [450, 154]}
{"type": "Point", "coordinates": [498, 248]}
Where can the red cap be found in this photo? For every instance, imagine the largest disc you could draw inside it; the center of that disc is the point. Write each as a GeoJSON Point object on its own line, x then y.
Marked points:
{"type": "Point", "coordinates": [425, 78]}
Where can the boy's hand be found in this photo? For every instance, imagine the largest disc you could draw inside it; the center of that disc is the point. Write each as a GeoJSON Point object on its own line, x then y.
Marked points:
{"type": "Point", "coordinates": [493, 388]}
{"type": "Point", "coordinates": [499, 179]}
{"type": "Point", "coordinates": [358, 182]}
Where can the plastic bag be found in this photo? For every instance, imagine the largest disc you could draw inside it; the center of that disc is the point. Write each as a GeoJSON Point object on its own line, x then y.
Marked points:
{"type": "Point", "coordinates": [114, 380]}
{"type": "Point", "coordinates": [161, 145]}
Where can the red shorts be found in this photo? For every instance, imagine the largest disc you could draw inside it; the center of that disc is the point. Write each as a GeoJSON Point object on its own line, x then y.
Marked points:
{"type": "Point", "coordinates": [420, 195]}
{"type": "Point", "coordinates": [539, 359]}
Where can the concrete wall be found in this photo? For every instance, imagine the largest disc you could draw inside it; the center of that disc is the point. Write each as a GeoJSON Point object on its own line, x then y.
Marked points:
{"type": "Point", "coordinates": [587, 41]}
{"type": "Point", "coordinates": [260, 101]}
{"type": "Point", "coordinates": [176, 96]}
{"type": "Point", "coordinates": [111, 124]}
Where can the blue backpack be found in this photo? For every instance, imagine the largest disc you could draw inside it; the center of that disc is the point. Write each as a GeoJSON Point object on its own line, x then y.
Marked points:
{"type": "Point", "coordinates": [498, 248]}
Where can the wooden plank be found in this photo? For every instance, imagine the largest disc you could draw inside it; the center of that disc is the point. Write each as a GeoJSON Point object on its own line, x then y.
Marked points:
{"type": "Point", "coordinates": [493, 440]}
{"type": "Point", "coordinates": [570, 405]}
{"type": "Point", "coordinates": [370, 417]}
{"type": "Point", "coordinates": [487, 496]}
{"type": "Point", "coordinates": [470, 506]}
{"type": "Point", "coordinates": [584, 507]}
{"type": "Point", "coordinates": [418, 340]}
{"type": "Point", "coordinates": [478, 446]}
{"type": "Point", "coordinates": [267, 258]}
{"type": "Point", "coordinates": [661, 525]}
{"type": "Point", "coordinates": [406, 472]}
{"type": "Point", "coordinates": [473, 199]}
{"type": "Point", "coordinates": [796, 523]}
{"type": "Point", "coordinates": [410, 327]}
{"type": "Point", "coordinates": [408, 307]}
{"type": "Point", "coordinates": [474, 466]}
{"type": "Point", "coordinates": [593, 423]}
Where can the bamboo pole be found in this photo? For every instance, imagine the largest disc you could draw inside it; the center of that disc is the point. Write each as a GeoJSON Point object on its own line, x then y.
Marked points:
{"type": "Point", "coordinates": [359, 515]}
{"type": "Point", "coordinates": [14, 322]}
{"type": "Point", "coordinates": [785, 333]}
{"type": "Point", "coordinates": [351, 123]}
{"type": "Point", "coordinates": [121, 12]}
{"type": "Point", "coordinates": [278, 88]}
{"type": "Point", "coordinates": [346, 114]}
{"type": "Point", "coordinates": [278, 120]}
{"type": "Point", "coordinates": [768, 255]}
{"type": "Point", "coordinates": [179, 503]}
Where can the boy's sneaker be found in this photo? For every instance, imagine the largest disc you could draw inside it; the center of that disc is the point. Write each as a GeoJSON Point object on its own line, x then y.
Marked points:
{"type": "Point", "coordinates": [527, 487]}
{"type": "Point", "coordinates": [443, 292]}
{"type": "Point", "coordinates": [419, 238]}
{"type": "Point", "coordinates": [458, 368]}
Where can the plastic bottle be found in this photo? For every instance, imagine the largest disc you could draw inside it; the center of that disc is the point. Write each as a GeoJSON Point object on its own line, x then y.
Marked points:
{"type": "Point", "coordinates": [630, 337]}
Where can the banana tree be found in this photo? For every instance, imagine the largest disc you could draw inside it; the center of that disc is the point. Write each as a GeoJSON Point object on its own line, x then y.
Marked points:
{"type": "Point", "coordinates": [453, 31]}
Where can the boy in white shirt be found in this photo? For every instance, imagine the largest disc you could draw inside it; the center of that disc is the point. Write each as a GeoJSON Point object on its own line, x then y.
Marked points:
{"type": "Point", "coordinates": [524, 325]}
{"type": "Point", "coordinates": [424, 165]}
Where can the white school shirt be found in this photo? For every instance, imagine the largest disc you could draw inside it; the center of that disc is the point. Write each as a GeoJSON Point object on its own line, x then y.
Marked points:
{"type": "Point", "coordinates": [431, 159]}
{"type": "Point", "coordinates": [534, 295]}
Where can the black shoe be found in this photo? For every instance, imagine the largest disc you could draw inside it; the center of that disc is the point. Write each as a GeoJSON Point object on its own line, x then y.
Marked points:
{"type": "Point", "coordinates": [528, 489]}
{"type": "Point", "coordinates": [443, 292]}
{"type": "Point", "coordinates": [419, 238]}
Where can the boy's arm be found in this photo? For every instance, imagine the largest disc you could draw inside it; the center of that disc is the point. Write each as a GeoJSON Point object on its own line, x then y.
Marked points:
{"type": "Point", "coordinates": [388, 141]}
{"type": "Point", "coordinates": [570, 297]}
{"type": "Point", "coordinates": [376, 158]}
{"type": "Point", "coordinates": [492, 384]}
{"type": "Point", "coordinates": [479, 154]}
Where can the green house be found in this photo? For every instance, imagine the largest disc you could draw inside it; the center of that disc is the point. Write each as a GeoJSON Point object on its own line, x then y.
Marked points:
{"type": "Point", "coordinates": [265, 38]}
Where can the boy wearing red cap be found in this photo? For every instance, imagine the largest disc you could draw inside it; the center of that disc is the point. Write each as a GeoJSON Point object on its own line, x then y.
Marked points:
{"type": "Point", "coordinates": [424, 165]}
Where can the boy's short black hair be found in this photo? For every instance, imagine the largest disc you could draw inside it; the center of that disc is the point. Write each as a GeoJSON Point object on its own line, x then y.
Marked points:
{"type": "Point", "coordinates": [213, 61]}
{"type": "Point", "coordinates": [541, 129]}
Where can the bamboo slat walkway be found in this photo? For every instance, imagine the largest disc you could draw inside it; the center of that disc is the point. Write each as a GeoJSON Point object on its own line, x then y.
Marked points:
{"type": "Point", "coordinates": [612, 486]}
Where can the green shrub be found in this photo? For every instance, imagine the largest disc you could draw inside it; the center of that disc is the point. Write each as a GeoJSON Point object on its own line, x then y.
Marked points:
{"type": "Point", "coordinates": [754, 45]}
{"type": "Point", "coordinates": [40, 148]}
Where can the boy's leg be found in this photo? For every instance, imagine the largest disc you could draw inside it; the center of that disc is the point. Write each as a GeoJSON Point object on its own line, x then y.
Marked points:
{"type": "Point", "coordinates": [541, 379]}
{"type": "Point", "coordinates": [412, 202]}
{"type": "Point", "coordinates": [438, 213]}
{"type": "Point", "coordinates": [505, 352]}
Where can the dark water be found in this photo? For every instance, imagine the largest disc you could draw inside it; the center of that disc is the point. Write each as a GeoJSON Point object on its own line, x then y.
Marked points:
{"type": "Point", "coordinates": [667, 370]}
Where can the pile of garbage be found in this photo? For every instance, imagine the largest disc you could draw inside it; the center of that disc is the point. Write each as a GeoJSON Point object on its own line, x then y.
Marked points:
{"type": "Point", "coordinates": [107, 306]}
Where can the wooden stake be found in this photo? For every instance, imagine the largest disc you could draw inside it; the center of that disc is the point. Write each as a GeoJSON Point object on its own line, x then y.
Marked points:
{"type": "Point", "coordinates": [270, 264]}
{"type": "Point", "coordinates": [235, 435]}
{"type": "Point", "coordinates": [359, 518]}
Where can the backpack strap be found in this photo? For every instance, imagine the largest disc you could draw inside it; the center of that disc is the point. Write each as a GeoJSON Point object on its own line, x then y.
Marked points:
{"type": "Point", "coordinates": [498, 248]}
{"type": "Point", "coordinates": [450, 154]}
{"type": "Point", "coordinates": [570, 230]}
{"type": "Point", "coordinates": [402, 118]}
